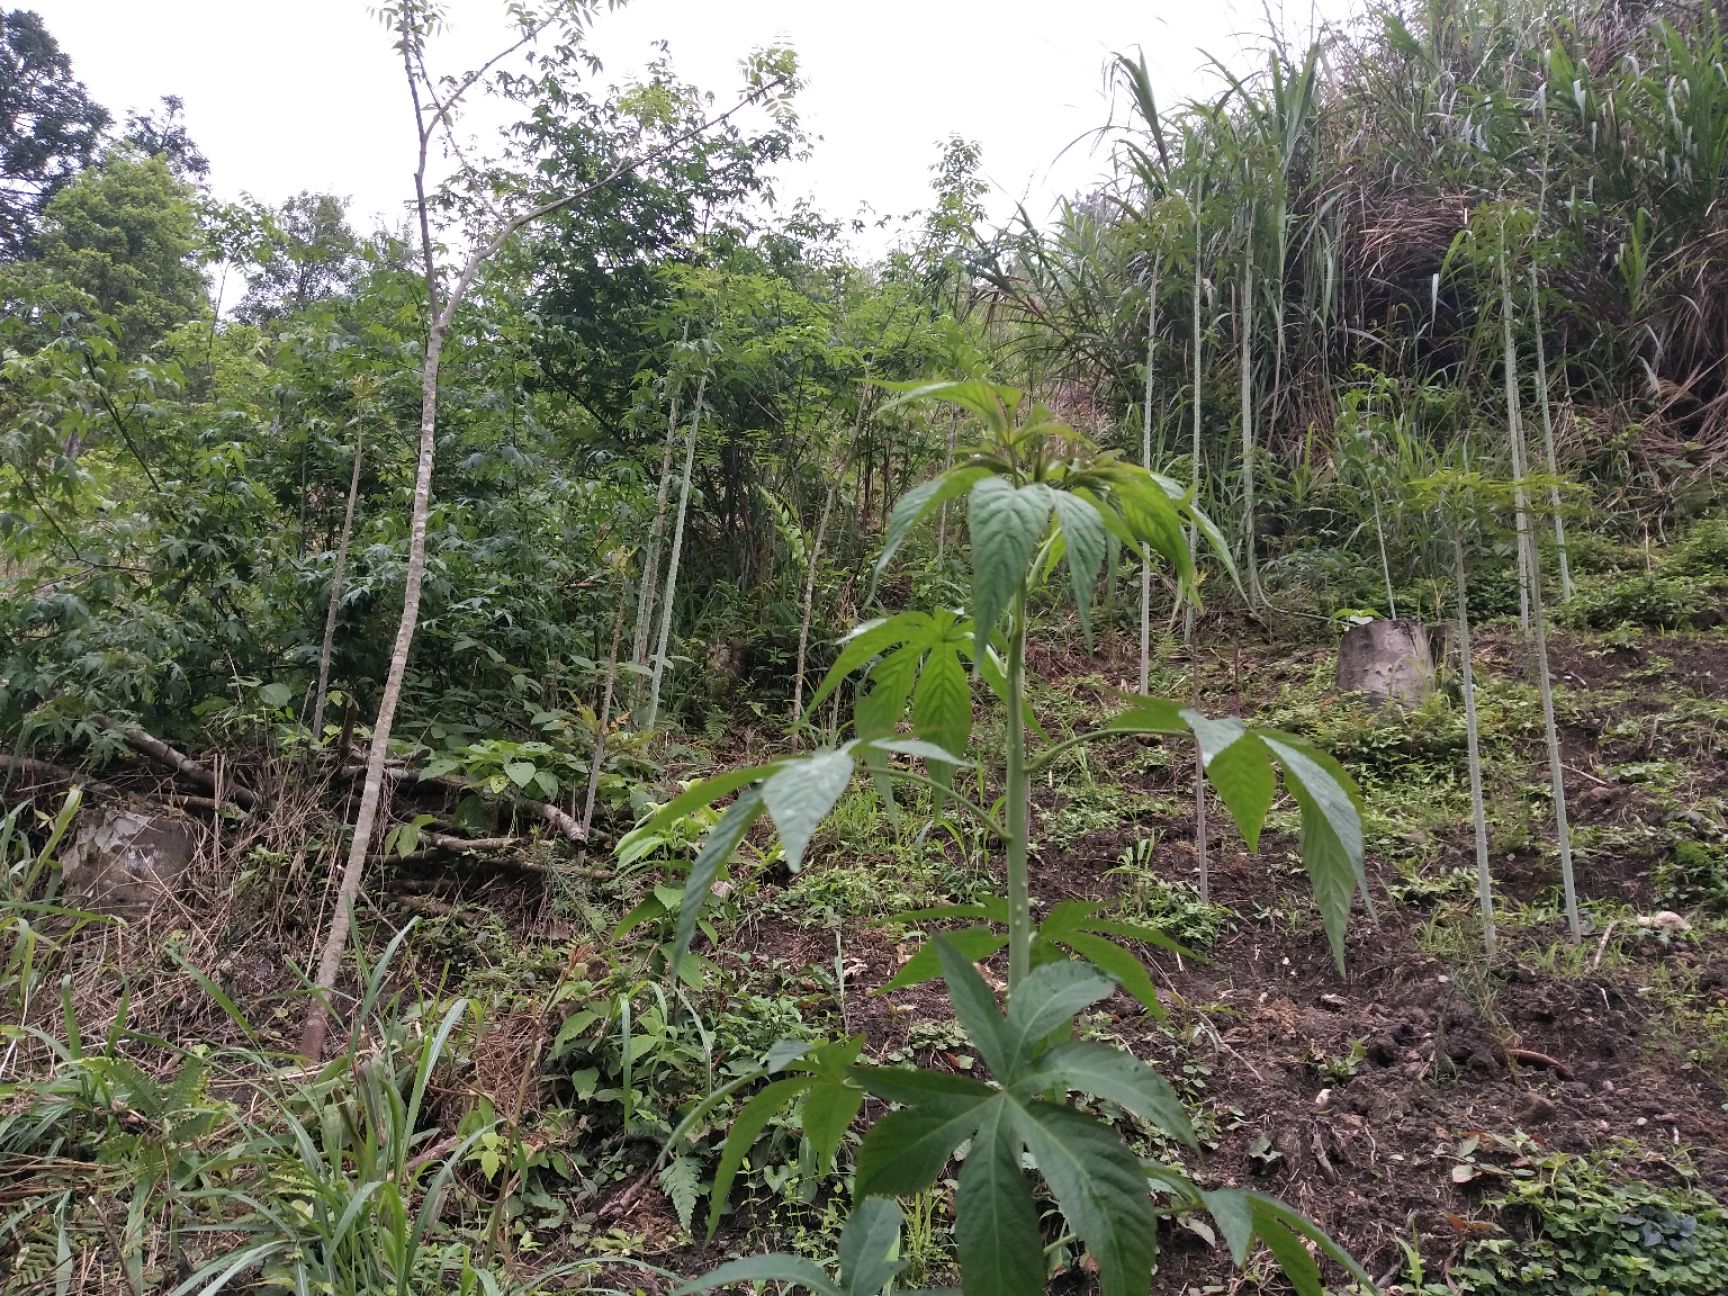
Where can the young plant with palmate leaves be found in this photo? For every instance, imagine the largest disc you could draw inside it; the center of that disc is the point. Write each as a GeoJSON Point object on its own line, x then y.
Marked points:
{"type": "Point", "coordinates": [1038, 496]}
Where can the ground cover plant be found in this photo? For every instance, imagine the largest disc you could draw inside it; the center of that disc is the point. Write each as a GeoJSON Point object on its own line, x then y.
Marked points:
{"type": "Point", "coordinates": [600, 741]}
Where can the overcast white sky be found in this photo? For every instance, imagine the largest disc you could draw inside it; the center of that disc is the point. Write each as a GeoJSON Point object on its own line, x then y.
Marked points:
{"type": "Point", "coordinates": [307, 95]}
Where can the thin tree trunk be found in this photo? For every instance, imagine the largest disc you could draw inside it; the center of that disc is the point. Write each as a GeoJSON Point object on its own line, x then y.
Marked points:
{"type": "Point", "coordinates": [1478, 810]}
{"type": "Point", "coordinates": [671, 595]}
{"type": "Point", "coordinates": [1532, 579]}
{"type": "Point", "coordinates": [1380, 537]}
{"type": "Point", "coordinates": [651, 559]}
{"type": "Point", "coordinates": [605, 714]}
{"type": "Point", "coordinates": [810, 599]}
{"type": "Point", "coordinates": [336, 579]}
{"type": "Point", "coordinates": [1566, 586]}
{"type": "Point", "coordinates": [1202, 862]}
{"type": "Point", "coordinates": [366, 817]}
{"type": "Point", "coordinates": [1146, 462]}
{"type": "Point", "coordinates": [1245, 325]}
{"type": "Point", "coordinates": [1527, 575]}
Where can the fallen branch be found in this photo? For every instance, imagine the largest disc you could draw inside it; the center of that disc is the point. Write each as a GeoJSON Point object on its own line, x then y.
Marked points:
{"type": "Point", "coordinates": [1530, 1057]}
{"type": "Point", "coordinates": [60, 774]}
{"type": "Point", "coordinates": [547, 813]}
{"type": "Point", "coordinates": [179, 762]}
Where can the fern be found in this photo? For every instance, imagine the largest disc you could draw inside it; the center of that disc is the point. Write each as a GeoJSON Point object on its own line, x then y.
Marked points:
{"type": "Point", "coordinates": [681, 1181]}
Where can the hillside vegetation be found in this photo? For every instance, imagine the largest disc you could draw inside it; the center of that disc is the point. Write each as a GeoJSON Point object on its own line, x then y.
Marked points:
{"type": "Point", "coordinates": [598, 741]}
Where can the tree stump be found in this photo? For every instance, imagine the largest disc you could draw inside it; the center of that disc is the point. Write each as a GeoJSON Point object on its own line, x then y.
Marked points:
{"type": "Point", "coordinates": [121, 861]}
{"type": "Point", "coordinates": [1390, 661]}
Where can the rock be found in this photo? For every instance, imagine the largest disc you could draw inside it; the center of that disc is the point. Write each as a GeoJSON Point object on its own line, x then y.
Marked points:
{"type": "Point", "coordinates": [1390, 661]}
{"type": "Point", "coordinates": [122, 861]}
{"type": "Point", "coordinates": [1664, 920]}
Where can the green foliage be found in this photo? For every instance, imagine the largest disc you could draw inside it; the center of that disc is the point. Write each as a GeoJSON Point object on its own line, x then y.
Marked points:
{"type": "Point", "coordinates": [51, 127]}
{"type": "Point", "coordinates": [126, 235]}
{"type": "Point", "coordinates": [1695, 875]}
{"type": "Point", "coordinates": [1581, 1230]}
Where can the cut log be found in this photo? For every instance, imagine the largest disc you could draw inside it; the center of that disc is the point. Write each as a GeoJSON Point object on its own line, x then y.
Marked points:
{"type": "Point", "coordinates": [1390, 661]}
{"type": "Point", "coordinates": [123, 861]}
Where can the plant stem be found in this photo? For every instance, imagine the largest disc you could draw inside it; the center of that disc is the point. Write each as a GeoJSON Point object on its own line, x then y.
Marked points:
{"type": "Point", "coordinates": [1245, 327]}
{"type": "Point", "coordinates": [1146, 463]}
{"type": "Point", "coordinates": [1017, 790]}
{"type": "Point", "coordinates": [671, 594]}
{"type": "Point", "coordinates": [336, 579]}
{"type": "Point", "coordinates": [1202, 864]}
{"type": "Point", "coordinates": [1478, 812]}
{"type": "Point", "coordinates": [1566, 586]}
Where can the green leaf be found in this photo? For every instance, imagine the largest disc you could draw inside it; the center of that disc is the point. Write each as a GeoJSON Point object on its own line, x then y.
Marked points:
{"type": "Point", "coordinates": [829, 1108]}
{"type": "Point", "coordinates": [1101, 1189]}
{"type": "Point", "coordinates": [891, 680]}
{"type": "Point", "coordinates": [1114, 1075]}
{"type": "Point", "coordinates": [975, 943]}
{"type": "Point", "coordinates": [975, 1007]}
{"type": "Point", "coordinates": [1243, 777]}
{"type": "Point", "coordinates": [993, 907]}
{"type": "Point", "coordinates": [990, 401]}
{"type": "Point", "coordinates": [995, 1222]}
{"type": "Point", "coordinates": [942, 707]}
{"type": "Point", "coordinates": [869, 1251]}
{"type": "Point", "coordinates": [521, 773]}
{"type": "Point", "coordinates": [1234, 1216]}
{"type": "Point", "coordinates": [914, 505]}
{"type": "Point", "coordinates": [1331, 837]}
{"type": "Point", "coordinates": [1150, 715]}
{"type": "Point", "coordinates": [1006, 522]}
{"type": "Point", "coordinates": [905, 1150]}
{"type": "Point", "coordinates": [1119, 965]}
{"type": "Point", "coordinates": [716, 850]}
{"type": "Point", "coordinates": [1045, 1001]}
{"type": "Point", "coordinates": [275, 695]}
{"type": "Point", "coordinates": [800, 794]}
{"type": "Point", "coordinates": [1269, 1212]}
{"type": "Point", "coordinates": [747, 1126]}
{"type": "Point", "coordinates": [681, 1182]}
{"type": "Point", "coordinates": [867, 641]}
{"type": "Point", "coordinates": [1084, 531]}
{"type": "Point", "coordinates": [912, 1087]}
{"type": "Point", "coordinates": [759, 1269]}
{"type": "Point", "coordinates": [695, 797]}
{"type": "Point", "coordinates": [925, 751]}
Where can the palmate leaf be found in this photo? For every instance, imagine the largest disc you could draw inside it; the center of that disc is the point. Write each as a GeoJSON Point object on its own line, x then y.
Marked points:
{"type": "Point", "coordinates": [1096, 1179]}
{"type": "Point", "coordinates": [1115, 1076]}
{"type": "Point", "coordinates": [942, 707]}
{"type": "Point", "coordinates": [1101, 1189]}
{"type": "Point", "coordinates": [1006, 523]}
{"type": "Point", "coordinates": [1045, 1000]}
